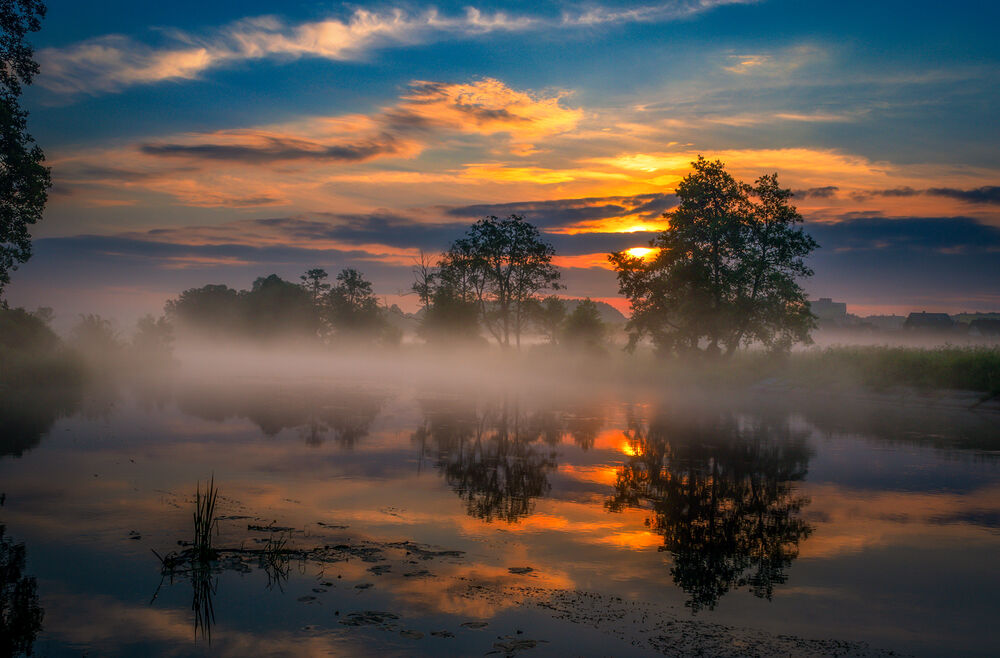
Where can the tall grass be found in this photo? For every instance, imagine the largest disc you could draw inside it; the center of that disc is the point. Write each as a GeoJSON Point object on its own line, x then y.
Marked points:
{"type": "Point", "coordinates": [205, 521]}
{"type": "Point", "coordinates": [965, 368]}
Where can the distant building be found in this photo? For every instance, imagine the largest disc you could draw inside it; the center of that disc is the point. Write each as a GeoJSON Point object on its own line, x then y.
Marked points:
{"type": "Point", "coordinates": [929, 321]}
{"type": "Point", "coordinates": [829, 312]}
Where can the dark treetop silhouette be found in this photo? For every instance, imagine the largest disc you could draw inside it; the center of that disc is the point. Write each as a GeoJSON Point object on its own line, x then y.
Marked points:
{"type": "Point", "coordinates": [23, 178]}
{"type": "Point", "coordinates": [495, 270]}
{"type": "Point", "coordinates": [725, 272]}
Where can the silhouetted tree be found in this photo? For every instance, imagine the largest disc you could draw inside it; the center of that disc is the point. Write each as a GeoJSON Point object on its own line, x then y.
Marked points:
{"type": "Point", "coordinates": [450, 318]}
{"type": "Point", "coordinates": [272, 308]}
{"type": "Point", "coordinates": [353, 310]}
{"type": "Point", "coordinates": [314, 281]}
{"type": "Point", "coordinates": [548, 315]}
{"type": "Point", "coordinates": [24, 179]}
{"type": "Point", "coordinates": [423, 280]}
{"type": "Point", "coordinates": [153, 340]}
{"type": "Point", "coordinates": [723, 496]}
{"type": "Point", "coordinates": [501, 265]}
{"type": "Point", "coordinates": [583, 328]}
{"type": "Point", "coordinates": [25, 332]}
{"type": "Point", "coordinates": [20, 614]}
{"type": "Point", "coordinates": [725, 271]}
{"type": "Point", "coordinates": [451, 312]}
{"type": "Point", "coordinates": [95, 336]}
{"type": "Point", "coordinates": [214, 309]}
{"type": "Point", "coordinates": [277, 308]}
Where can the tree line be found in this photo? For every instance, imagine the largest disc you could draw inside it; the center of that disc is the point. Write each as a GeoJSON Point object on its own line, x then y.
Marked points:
{"type": "Point", "coordinates": [723, 275]}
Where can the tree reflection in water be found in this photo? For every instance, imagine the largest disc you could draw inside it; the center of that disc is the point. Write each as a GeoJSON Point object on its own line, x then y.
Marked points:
{"type": "Point", "coordinates": [316, 414]}
{"type": "Point", "coordinates": [497, 459]}
{"type": "Point", "coordinates": [20, 614]}
{"type": "Point", "coordinates": [721, 491]}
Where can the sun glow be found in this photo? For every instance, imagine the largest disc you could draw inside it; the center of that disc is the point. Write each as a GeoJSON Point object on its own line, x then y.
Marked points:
{"type": "Point", "coordinates": [640, 252]}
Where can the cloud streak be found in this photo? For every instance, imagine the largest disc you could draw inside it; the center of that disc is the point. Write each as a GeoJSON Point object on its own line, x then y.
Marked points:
{"type": "Point", "coordinates": [111, 63]}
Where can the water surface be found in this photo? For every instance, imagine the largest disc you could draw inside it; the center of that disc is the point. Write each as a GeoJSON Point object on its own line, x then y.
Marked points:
{"type": "Point", "coordinates": [479, 518]}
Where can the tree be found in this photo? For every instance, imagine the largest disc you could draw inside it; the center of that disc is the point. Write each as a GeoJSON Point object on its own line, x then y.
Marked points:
{"type": "Point", "coordinates": [548, 316]}
{"type": "Point", "coordinates": [277, 308]}
{"type": "Point", "coordinates": [423, 280]}
{"type": "Point", "coordinates": [314, 281]}
{"type": "Point", "coordinates": [24, 179]}
{"type": "Point", "coordinates": [352, 307]}
{"type": "Point", "coordinates": [153, 340]}
{"type": "Point", "coordinates": [583, 328]}
{"type": "Point", "coordinates": [725, 272]}
{"type": "Point", "coordinates": [215, 308]}
{"type": "Point", "coordinates": [501, 264]}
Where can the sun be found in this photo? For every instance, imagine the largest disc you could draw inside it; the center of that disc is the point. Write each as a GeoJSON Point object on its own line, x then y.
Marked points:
{"type": "Point", "coordinates": [639, 252]}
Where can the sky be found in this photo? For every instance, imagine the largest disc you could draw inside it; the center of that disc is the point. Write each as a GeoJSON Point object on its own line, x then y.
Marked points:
{"type": "Point", "coordinates": [215, 142]}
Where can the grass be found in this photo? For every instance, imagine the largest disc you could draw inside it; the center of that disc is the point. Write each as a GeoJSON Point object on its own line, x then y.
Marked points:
{"type": "Point", "coordinates": [963, 368]}
{"type": "Point", "coordinates": [874, 367]}
{"type": "Point", "coordinates": [205, 521]}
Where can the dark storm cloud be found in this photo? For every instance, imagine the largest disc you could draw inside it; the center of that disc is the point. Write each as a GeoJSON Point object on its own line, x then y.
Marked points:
{"type": "Point", "coordinates": [562, 212]}
{"type": "Point", "coordinates": [275, 149]}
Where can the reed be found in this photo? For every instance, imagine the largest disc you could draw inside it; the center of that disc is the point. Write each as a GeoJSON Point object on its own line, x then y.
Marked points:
{"type": "Point", "coordinates": [205, 521]}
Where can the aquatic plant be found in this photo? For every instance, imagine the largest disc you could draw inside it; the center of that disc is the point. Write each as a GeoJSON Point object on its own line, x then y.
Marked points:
{"type": "Point", "coordinates": [205, 521]}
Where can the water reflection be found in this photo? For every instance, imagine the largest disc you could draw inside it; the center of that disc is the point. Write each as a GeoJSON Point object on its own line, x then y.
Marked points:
{"type": "Point", "coordinates": [20, 614]}
{"type": "Point", "coordinates": [721, 491]}
{"type": "Point", "coordinates": [28, 414]}
{"type": "Point", "coordinates": [315, 414]}
{"type": "Point", "coordinates": [497, 459]}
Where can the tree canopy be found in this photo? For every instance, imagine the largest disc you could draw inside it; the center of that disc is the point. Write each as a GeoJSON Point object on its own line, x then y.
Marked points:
{"type": "Point", "coordinates": [24, 179]}
{"type": "Point", "coordinates": [725, 272]}
{"type": "Point", "coordinates": [499, 266]}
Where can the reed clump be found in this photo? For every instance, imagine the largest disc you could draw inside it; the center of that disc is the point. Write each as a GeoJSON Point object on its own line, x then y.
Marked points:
{"type": "Point", "coordinates": [205, 521]}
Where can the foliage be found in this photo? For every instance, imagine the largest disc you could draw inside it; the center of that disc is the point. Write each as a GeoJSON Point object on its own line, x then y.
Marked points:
{"type": "Point", "coordinates": [276, 308]}
{"type": "Point", "coordinates": [583, 328]}
{"type": "Point", "coordinates": [450, 317]}
{"type": "Point", "coordinates": [153, 339]}
{"type": "Point", "coordinates": [725, 270]}
{"type": "Point", "coordinates": [314, 281]}
{"type": "Point", "coordinates": [24, 179]}
{"type": "Point", "coordinates": [548, 316]}
{"type": "Point", "coordinates": [500, 265]}
{"type": "Point", "coordinates": [20, 613]}
{"type": "Point", "coordinates": [25, 332]}
{"type": "Point", "coordinates": [94, 335]}
{"type": "Point", "coordinates": [353, 311]}
{"type": "Point", "coordinates": [214, 309]}
{"type": "Point", "coordinates": [351, 305]}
